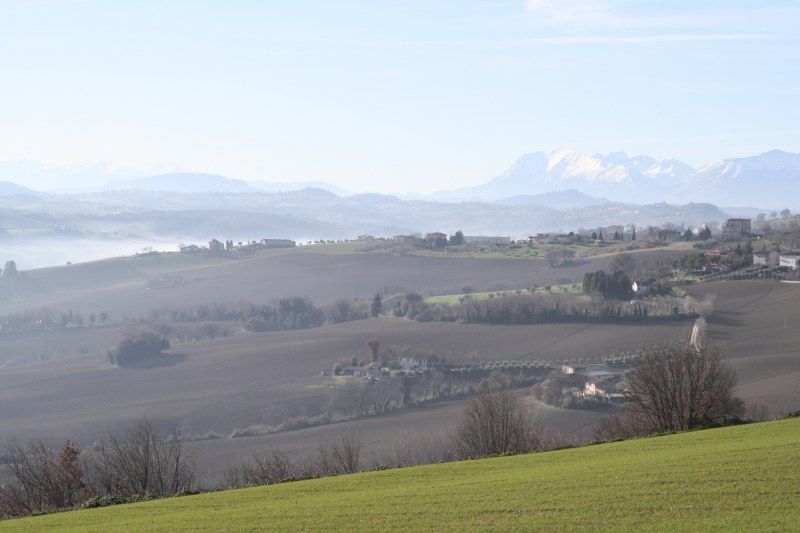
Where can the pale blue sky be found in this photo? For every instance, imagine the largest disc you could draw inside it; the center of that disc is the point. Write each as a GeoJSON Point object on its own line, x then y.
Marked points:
{"type": "Point", "coordinates": [399, 96]}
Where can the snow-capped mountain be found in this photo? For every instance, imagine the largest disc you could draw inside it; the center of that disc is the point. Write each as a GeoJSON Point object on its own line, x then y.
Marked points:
{"type": "Point", "coordinates": [768, 180]}
{"type": "Point", "coordinates": [617, 176]}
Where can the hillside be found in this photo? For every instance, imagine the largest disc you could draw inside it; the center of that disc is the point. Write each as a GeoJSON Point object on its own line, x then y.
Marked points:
{"type": "Point", "coordinates": [271, 375]}
{"type": "Point", "coordinates": [742, 478]}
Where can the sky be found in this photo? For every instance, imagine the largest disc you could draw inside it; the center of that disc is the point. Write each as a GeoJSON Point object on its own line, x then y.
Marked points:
{"type": "Point", "coordinates": [393, 96]}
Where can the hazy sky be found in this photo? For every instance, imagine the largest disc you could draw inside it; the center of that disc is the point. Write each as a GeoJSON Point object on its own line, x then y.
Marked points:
{"type": "Point", "coordinates": [393, 96]}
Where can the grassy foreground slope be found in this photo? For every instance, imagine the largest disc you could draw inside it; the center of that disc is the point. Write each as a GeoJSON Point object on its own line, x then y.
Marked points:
{"type": "Point", "coordinates": [744, 478]}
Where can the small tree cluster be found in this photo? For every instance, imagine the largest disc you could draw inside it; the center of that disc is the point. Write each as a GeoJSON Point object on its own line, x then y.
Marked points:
{"type": "Point", "coordinates": [287, 314]}
{"type": "Point", "coordinates": [10, 270]}
{"type": "Point", "coordinates": [43, 479]}
{"type": "Point", "coordinates": [142, 462]}
{"type": "Point", "coordinates": [137, 347]}
{"type": "Point", "coordinates": [615, 285]}
{"type": "Point", "coordinates": [559, 256]}
{"type": "Point", "coordinates": [341, 456]}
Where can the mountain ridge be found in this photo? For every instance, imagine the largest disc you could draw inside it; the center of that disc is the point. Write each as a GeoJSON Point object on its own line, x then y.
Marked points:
{"type": "Point", "coordinates": [754, 181]}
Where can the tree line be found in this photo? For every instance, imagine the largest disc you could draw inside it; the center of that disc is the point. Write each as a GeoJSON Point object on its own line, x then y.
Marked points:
{"type": "Point", "coordinates": [537, 309]}
{"type": "Point", "coordinates": [140, 463]}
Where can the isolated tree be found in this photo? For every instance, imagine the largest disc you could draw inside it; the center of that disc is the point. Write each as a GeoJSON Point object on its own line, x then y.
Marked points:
{"type": "Point", "coordinates": [688, 235]}
{"type": "Point", "coordinates": [457, 239]}
{"type": "Point", "coordinates": [414, 301]}
{"type": "Point", "coordinates": [373, 345]}
{"type": "Point", "coordinates": [678, 386]}
{"type": "Point", "coordinates": [559, 256]}
{"type": "Point", "coordinates": [494, 422]}
{"type": "Point", "coordinates": [10, 270]}
{"type": "Point", "coordinates": [377, 305]}
{"type": "Point", "coordinates": [340, 457]}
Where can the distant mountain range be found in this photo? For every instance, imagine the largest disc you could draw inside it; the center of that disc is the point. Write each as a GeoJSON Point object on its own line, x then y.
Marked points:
{"type": "Point", "coordinates": [103, 176]}
{"type": "Point", "coordinates": [760, 181]}
{"type": "Point", "coordinates": [558, 178]}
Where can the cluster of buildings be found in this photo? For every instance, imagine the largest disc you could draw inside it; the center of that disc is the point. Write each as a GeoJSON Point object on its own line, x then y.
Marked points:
{"type": "Point", "coordinates": [789, 260]}
{"type": "Point", "coordinates": [216, 246]}
{"type": "Point", "coordinates": [598, 384]}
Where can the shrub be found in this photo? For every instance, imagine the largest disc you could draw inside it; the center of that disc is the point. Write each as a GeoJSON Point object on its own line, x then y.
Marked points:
{"type": "Point", "coordinates": [137, 347]}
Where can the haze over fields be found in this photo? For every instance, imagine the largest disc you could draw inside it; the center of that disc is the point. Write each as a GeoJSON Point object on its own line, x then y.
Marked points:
{"type": "Point", "coordinates": [286, 226]}
{"type": "Point", "coordinates": [548, 191]}
{"type": "Point", "coordinates": [235, 387]}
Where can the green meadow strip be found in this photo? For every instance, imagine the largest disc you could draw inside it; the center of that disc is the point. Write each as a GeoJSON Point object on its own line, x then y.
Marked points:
{"type": "Point", "coordinates": [742, 478]}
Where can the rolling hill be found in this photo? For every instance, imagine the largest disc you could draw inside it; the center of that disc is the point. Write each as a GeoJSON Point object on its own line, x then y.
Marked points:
{"type": "Point", "coordinates": [741, 478]}
{"type": "Point", "coordinates": [240, 380]}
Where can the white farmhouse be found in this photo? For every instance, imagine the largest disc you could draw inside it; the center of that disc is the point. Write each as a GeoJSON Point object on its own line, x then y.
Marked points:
{"type": "Point", "coordinates": [412, 363]}
{"type": "Point", "coordinates": [791, 260]}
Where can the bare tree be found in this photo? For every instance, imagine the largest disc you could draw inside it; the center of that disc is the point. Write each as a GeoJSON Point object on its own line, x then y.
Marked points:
{"type": "Point", "coordinates": [346, 453]}
{"type": "Point", "coordinates": [559, 256]}
{"type": "Point", "coordinates": [373, 345]}
{"type": "Point", "coordinates": [42, 479]}
{"type": "Point", "coordinates": [494, 422]}
{"type": "Point", "coordinates": [271, 467]}
{"type": "Point", "coordinates": [420, 450]}
{"type": "Point", "coordinates": [145, 461]}
{"type": "Point", "coordinates": [758, 412]}
{"type": "Point", "coordinates": [678, 386]}
{"type": "Point", "coordinates": [616, 426]}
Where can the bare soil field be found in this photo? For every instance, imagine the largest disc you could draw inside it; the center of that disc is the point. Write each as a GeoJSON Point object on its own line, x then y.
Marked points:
{"type": "Point", "coordinates": [381, 435]}
{"type": "Point", "coordinates": [244, 380]}
{"type": "Point", "coordinates": [232, 382]}
{"type": "Point", "coordinates": [120, 286]}
{"type": "Point", "coordinates": [758, 324]}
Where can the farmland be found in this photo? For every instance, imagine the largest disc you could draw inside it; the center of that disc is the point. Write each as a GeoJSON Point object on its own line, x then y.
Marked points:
{"type": "Point", "coordinates": [60, 382]}
{"type": "Point", "coordinates": [120, 286]}
{"type": "Point", "coordinates": [733, 478]}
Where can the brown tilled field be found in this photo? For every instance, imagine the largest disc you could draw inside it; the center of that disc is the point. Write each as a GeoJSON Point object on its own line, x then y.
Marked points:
{"type": "Point", "coordinates": [119, 286]}
{"type": "Point", "coordinates": [758, 324]}
{"type": "Point", "coordinates": [243, 380]}
{"type": "Point", "coordinates": [231, 382]}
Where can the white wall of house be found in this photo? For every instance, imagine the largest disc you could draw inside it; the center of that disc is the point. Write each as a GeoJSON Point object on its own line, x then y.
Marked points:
{"type": "Point", "coordinates": [789, 260]}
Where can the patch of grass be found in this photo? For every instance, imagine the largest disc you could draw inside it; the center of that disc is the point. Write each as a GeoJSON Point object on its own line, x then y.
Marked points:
{"type": "Point", "coordinates": [452, 299]}
{"type": "Point", "coordinates": [742, 478]}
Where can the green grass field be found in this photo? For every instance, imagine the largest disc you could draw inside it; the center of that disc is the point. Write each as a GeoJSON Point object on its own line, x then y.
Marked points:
{"type": "Point", "coordinates": [453, 299]}
{"type": "Point", "coordinates": [744, 478]}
